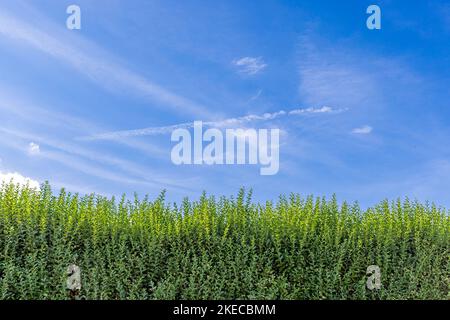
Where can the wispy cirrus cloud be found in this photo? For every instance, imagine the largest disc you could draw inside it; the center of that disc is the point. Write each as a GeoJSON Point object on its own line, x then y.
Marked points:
{"type": "Point", "coordinates": [58, 149]}
{"type": "Point", "coordinates": [341, 73]}
{"type": "Point", "coordinates": [17, 107]}
{"type": "Point", "coordinates": [256, 96]}
{"type": "Point", "coordinates": [250, 65]}
{"type": "Point", "coordinates": [151, 131]}
{"type": "Point", "coordinates": [82, 159]}
{"type": "Point", "coordinates": [93, 62]}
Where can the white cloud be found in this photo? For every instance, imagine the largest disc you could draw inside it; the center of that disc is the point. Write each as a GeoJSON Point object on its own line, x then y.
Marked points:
{"type": "Point", "coordinates": [18, 179]}
{"type": "Point", "coordinates": [362, 130]}
{"type": "Point", "coordinates": [33, 148]}
{"type": "Point", "coordinates": [250, 65]}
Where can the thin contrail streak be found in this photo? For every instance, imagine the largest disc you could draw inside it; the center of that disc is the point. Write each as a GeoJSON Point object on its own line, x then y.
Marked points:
{"type": "Point", "coordinates": [152, 131]}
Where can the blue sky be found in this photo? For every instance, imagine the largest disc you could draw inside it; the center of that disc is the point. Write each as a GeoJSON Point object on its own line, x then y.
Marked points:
{"type": "Point", "coordinates": [143, 64]}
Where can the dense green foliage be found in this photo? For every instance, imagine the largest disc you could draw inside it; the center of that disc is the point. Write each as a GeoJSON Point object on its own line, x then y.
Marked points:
{"type": "Point", "coordinates": [228, 248]}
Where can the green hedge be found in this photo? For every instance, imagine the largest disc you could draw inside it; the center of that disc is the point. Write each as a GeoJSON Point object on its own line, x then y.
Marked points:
{"type": "Point", "coordinates": [227, 248]}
